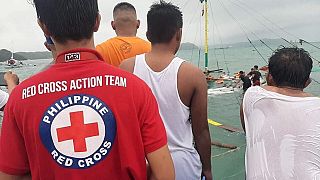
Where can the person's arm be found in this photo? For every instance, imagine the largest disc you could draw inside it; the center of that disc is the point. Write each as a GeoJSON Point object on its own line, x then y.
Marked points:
{"type": "Point", "coordinates": [12, 80]}
{"type": "Point", "coordinates": [161, 165]}
{"type": "Point", "coordinates": [242, 117]}
{"type": "Point", "coordinates": [236, 84]}
{"type": "Point", "coordinates": [4, 176]}
{"type": "Point", "coordinates": [199, 122]}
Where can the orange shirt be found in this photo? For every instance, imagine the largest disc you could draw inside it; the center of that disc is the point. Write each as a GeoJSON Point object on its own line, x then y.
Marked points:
{"type": "Point", "coordinates": [117, 49]}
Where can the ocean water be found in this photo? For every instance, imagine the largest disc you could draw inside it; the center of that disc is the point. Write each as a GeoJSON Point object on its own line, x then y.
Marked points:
{"type": "Point", "coordinates": [222, 107]}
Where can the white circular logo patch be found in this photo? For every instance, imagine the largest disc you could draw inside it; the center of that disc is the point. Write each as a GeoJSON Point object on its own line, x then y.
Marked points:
{"type": "Point", "coordinates": [78, 131]}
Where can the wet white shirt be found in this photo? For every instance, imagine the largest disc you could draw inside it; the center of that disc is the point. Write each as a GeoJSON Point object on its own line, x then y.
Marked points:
{"type": "Point", "coordinates": [283, 136]}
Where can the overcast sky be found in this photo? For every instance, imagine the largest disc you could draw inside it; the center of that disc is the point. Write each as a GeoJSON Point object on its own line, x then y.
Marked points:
{"type": "Point", "coordinates": [230, 21]}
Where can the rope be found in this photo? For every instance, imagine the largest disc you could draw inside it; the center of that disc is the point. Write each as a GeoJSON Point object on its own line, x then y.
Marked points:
{"type": "Point", "coordinates": [266, 27]}
{"type": "Point", "coordinates": [301, 40]}
{"type": "Point", "coordinates": [264, 17]}
{"type": "Point", "coordinates": [243, 30]}
{"type": "Point", "coordinates": [218, 31]}
{"type": "Point", "coordinates": [193, 48]}
{"type": "Point", "coordinates": [258, 51]}
{"type": "Point", "coordinates": [315, 81]}
{"type": "Point", "coordinates": [291, 43]}
{"type": "Point", "coordinates": [266, 45]}
{"type": "Point", "coordinates": [228, 152]}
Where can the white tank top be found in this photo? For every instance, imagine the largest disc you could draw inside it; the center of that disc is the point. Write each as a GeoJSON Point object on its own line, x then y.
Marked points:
{"type": "Point", "coordinates": [175, 115]}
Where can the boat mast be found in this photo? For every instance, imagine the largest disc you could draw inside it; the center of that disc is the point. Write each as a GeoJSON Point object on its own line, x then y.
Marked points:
{"type": "Point", "coordinates": [206, 47]}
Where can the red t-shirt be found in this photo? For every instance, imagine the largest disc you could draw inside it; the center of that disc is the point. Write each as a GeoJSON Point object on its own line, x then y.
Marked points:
{"type": "Point", "coordinates": [80, 119]}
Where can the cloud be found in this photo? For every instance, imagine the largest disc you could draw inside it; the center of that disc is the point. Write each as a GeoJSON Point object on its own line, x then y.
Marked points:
{"type": "Point", "coordinates": [19, 29]}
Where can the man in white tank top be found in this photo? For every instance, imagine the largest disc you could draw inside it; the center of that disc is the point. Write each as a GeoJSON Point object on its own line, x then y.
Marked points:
{"type": "Point", "coordinates": [181, 91]}
{"type": "Point", "coordinates": [282, 122]}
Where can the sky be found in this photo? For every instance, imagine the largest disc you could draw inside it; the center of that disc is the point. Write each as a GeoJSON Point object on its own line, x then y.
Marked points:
{"type": "Point", "coordinates": [229, 21]}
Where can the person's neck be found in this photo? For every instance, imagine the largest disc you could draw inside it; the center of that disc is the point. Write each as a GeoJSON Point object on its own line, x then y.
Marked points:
{"type": "Point", "coordinates": [126, 33]}
{"type": "Point", "coordinates": [160, 57]}
{"type": "Point", "coordinates": [288, 91]}
{"type": "Point", "coordinates": [293, 89]}
{"type": "Point", "coordinates": [162, 49]}
{"type": "Point", "coordinates": [70, 44]}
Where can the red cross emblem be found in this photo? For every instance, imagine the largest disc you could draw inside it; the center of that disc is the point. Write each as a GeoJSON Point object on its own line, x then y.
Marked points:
{"type": "Point", "coordinates": [78, 131]}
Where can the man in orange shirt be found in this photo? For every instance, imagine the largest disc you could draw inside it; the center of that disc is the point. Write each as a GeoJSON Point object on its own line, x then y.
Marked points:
{"type": "Point", "coordinates": [125, 44]}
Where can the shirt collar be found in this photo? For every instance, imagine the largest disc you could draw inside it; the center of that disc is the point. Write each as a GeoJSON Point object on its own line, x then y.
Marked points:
{"type": "Point", "coordinates": [81, 54]}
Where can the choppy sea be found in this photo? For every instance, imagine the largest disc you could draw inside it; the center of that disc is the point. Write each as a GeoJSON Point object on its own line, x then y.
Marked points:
{"type": "Point", "coordinates": [223, 107]}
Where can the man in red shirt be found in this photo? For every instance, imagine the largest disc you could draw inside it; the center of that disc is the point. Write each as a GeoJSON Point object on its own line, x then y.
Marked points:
{"type": "Point", "coordinates": [81, 118]}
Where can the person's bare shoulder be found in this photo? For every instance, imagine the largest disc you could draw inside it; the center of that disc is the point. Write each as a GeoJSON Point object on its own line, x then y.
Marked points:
{"type": "Point", "coordinates": [128, 64]}
{"type": "Point", "coordinates": [191, 73]}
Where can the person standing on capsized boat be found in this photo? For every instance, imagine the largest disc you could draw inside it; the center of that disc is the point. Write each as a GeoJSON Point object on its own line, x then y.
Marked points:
{"type": "Point", "coordinates": [282, 121]}
{"type": "Point", "coordinates": [180, 89]}
{"type": "Point", "coordinates": [255, 76]}
{"type": "Point", "coordinates": [246, 82]}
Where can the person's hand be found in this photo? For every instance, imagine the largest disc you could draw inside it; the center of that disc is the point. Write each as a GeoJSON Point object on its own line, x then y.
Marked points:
{"type": "Point", "coordinates": [207, 175]}
{"type": "Point", "coordinates": [11, 79]}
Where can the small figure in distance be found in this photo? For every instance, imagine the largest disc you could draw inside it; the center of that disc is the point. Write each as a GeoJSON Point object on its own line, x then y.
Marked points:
{"type": "Point", "coordinates": [246, 81]}
{"type": "Point", "coordinates": [181, 91]}
{"type": "Point", "coordinates": [282, 121]}
{"type": "Point", "coordinates": [126, 44]}
{"type": "Point", "coordinates": [256, 75]}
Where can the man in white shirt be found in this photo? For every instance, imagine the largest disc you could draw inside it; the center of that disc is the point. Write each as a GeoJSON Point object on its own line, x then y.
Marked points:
{"type": "Point", "coordinates": [282, 121]}
{"type": "Point", "coordinates": [181, 92]}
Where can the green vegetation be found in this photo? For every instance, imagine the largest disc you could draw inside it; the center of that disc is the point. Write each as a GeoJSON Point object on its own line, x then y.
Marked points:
{"type": "Point", "coordinates": [6, 55]}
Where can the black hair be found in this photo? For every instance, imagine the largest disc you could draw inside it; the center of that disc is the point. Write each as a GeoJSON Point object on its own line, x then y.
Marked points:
{"type": "Point", "coordinates": [123, 6]}
{"type": "Point", "coordinates": [68, 19]}
{"type": "Point", "coordinates": [164, 20]}
{"type": "Point", "coordinates": [290, 67]}
{"type": "Point", "coordinates": [256, 66]}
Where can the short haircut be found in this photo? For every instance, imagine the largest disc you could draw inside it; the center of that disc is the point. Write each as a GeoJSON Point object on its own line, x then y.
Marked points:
{"type": "Point", "coordinates": [164, 20]}
{"type": "Point", "coordinates": [241, 72]}
{"type": "Point", "coordinates": [123, 6]}
{"type": "Point", "coordinates": [290, 67]}
{"type": "Point", "coordinates": [68, 19]}
{"type": "Point", "coordinates": [256, 66]}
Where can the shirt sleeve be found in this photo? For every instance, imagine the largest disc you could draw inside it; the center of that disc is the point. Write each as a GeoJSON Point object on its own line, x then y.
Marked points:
{"type": "Point", "coordinates": [13, 156]}
{"type": "Point", "coordinates": [101, 49]}
{"type": "Point", "coordinates": [153, 132]}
